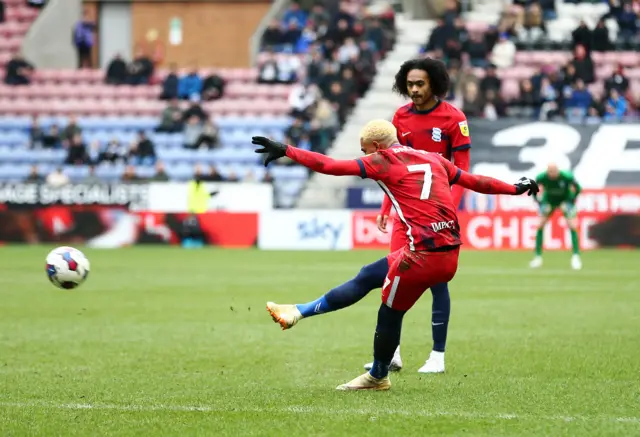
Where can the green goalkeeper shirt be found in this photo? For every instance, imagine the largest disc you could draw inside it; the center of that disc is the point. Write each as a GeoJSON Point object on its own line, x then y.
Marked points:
{"type": "Point", "coordinates": [564, 188]}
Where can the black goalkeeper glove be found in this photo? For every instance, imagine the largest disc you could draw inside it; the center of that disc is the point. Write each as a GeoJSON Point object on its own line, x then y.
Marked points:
{"type": "Point", "coordinates": [273, 149]}
{"type": "Point", "coordinates": [526, 185]}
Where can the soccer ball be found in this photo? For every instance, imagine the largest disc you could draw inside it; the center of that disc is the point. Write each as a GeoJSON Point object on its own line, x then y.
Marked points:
{"type": "Point", "coordinates": [67, 267]}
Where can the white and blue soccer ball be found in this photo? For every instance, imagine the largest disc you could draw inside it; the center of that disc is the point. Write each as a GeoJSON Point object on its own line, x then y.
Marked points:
{"type": "Point", "coordinates": [67, 267]}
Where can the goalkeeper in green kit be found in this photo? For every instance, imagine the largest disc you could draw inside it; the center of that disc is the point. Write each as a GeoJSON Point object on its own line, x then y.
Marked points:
{"type": "Point", "coordinates": [559, 190]}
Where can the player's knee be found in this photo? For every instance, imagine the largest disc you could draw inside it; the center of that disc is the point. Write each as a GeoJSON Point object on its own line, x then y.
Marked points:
{"type": "Point", "coordinates": [573, 224]}
{"type": "Point", "coordinates": [372, 275]}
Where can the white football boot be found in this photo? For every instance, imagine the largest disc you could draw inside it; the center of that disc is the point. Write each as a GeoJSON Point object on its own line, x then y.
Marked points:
{"type": "Point", "coordinates": [576, 262]}
{"type": "Point", "coordinates": [366, 382]}
{"type": "Point", "coordinates": [536, 262]}
{"type": "Point", "coordinates": [435, 363]}
{"type": "Point", "coordinates": [284, 315]}
{"type": "Point", "coordinates": [396, 362]}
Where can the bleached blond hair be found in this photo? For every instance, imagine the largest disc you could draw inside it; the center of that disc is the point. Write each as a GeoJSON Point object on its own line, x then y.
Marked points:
{"type": "Point", "coordinates": [379, 130]}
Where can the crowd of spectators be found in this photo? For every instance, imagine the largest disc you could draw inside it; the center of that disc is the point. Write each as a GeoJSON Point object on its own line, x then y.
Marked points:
{"type": "Point", "coordinates": [555, 91]}
{"type": "Point", "coordinates": [330, 51]}
{"type": "Point", "coordinates": [141, 151]}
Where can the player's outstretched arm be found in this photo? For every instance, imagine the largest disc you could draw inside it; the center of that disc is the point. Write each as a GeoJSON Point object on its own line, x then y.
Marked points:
{"type": "Point", "coordinates": [489, 185]}
{"type": "Point", "coordinates": [323, 164]}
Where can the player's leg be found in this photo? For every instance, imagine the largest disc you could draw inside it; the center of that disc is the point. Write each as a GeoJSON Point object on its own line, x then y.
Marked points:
{"type": "Point", "coordinates": [440, 310]}
{"type": "Point", "coordinates": [571, 216]}
{"type": "Point", "coordinates": [545, 211]}
{"type": "Point", "coordinates": [396, 246]}
{"type": "Point", "coordinates": [369, 278]}
{"type": "Point", "coordinates": [409, 276]}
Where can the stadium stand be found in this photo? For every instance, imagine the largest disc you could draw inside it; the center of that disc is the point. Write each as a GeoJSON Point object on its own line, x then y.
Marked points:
{"type": "Point", "coordinates": [579, 60]}
{"type": "Point", "coordinates": [39, 120]}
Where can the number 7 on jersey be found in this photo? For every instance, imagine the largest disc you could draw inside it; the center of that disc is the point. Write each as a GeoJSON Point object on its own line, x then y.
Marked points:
{"type": "Point", "coordinates": [428, 175]}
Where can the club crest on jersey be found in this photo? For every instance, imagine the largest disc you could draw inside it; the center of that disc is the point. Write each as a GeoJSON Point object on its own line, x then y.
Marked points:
{"type": "Point", "coordinates": [464, 128]}
{"type": "Point", "coordinates": [436, 134]}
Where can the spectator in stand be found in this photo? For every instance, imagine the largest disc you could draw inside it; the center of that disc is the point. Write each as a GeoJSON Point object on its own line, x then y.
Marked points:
{"type": "Point", "coordinates": [272, 37]}
{"type": "Point", "coordinates": [451, 11]}
{"type": "Point", "coordinates": [19, 71]}
{"type": "Point", "coordinates": [533, 28]}
{"type": "Point", "coordinates": [549, 96]}
{"type": "Point", "coordinates": [142, 151]}
{"type": "Point", "coordinates": [529, 100]}
{"type": "Point", "coordinates": [83, 40]}
{"type": "Point", "coordinates": [71, 130]}
{"type": "Point", "coordinates": [319, 15]}
{"type": "Point", "coordinates": [213, 87]}
{"type": "Point", "coordinates": [472, 104]}
{"type": "Point", "coordinates": [504, 52]}
{"type": "Point", "coordinates": [341, 99]}
{"type": "Point", "coordinates": [269, 72]}
{"type": "Point", "coordinates": [141, 69]}
{"type": "Point", "coordinates": [190, 85]}
{"type": "Point", "coordinates": [295, 14]}
{"type": "Point", "coordinates": [583, 36]}
{"type": "Point", "coordinates": [292, 35]}
{"type": "Point", "coordinates": [36, 134]}
{"type": "Point", "coordinates": [601, 41]}
{"type": "Point", "coordinates": [213, 175]}
{"type": "Point", "coordinates": [477, 50]}
{"type": "Point", "coordinates": [494, 106]}
{"type": "Point", "coordinates": [161, 175]}
{"type": "Point", "coordinates": [94, 151]}
{"type": "Point", "coordinates": [113, 153]}
{"type": "Point", "coordinates": [628, 23]}
{"type": "Point", "coordinates": [579, 101]}
{"type": "Point", "coordinates": [616, 107]}
{"type": "Point", "coordinates": [209, 137]}
{"type": "Point", "coordinates": [288, 67]}
{"type": "Point", "coordinates": [34, 176]}
{"type": "Point", "coordinates": [129, 175]}
{"type": "Point", "coordinates": [171, 119]}
{"type": "Point", "coordinates": [194, 109]}
{"type": "Point", "coordinates": [192, 131]}
{"type": "Point", "coordinates": [348, 51]}
{"type": "Point", "coordinates": [439, 36]}
{"type": "Point", "coordinates": [57, 178]}
{"type": "Point", "coordinates": [77, 151]}
{"type": "Point", "coordinates": [51, 139]}
{"type": "Point", "coordinates": [583, 64]}
{"type": "Point", "coordinates": [490, 81]}
{"type": "Point", "coordinates": [170, 84]}
{"type": "Point", "coordinates": [92, 178]}
{"type": "Point", "coordinates": [116, 71]}
{"type": "Point", "coordinates": [295, 132]}
{"type": "Point", "coordinates": [617, 82]}
{"type": "Point", "coordinates": [301, 99]}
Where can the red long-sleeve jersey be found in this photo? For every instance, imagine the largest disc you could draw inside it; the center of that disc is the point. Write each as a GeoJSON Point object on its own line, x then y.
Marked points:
{"type": "Point", "coordinates": [442, 129]}
{"type": "Point", "coordinates": [418, 183]}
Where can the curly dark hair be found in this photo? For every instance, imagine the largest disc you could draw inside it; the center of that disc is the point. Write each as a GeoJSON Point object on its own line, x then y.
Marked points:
{"type": "Point", "coordinates": [436, 71]}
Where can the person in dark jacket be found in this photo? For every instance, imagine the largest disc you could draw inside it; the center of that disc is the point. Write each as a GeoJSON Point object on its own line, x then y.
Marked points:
{"type": "Point", "coordinates": [170, 84]}
{"type": "Point", "coordinates": [116, 72]}
{"type": "Point", "coordinates": [83, 40]}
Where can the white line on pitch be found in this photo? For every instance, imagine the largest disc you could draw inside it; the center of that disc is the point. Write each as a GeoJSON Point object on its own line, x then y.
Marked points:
{"type": "Point", "coordinates": [316, 410]}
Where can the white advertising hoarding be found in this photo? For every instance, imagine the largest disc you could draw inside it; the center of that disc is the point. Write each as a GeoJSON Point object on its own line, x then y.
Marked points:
{"type": "Point", "coordinates": [171, 197]}
{"type": "Point", "coordinates": [305, 230]}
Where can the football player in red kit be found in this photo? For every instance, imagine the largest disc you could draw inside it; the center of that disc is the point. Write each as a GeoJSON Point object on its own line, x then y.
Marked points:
{"type": "Point", "coordinates": [418, 184]}
{"type": "Point", "coordinates": [431, 124]}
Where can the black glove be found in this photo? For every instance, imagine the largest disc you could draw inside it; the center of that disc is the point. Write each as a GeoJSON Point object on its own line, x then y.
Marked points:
{"type": "Point", "coordinates": [273, 149]}
{"type": "Point", "coordinates": [526, 185]}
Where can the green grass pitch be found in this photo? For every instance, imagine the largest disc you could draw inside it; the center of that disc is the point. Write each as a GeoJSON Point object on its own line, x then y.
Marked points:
{"type": "Point", "coordinates": [166, 342]}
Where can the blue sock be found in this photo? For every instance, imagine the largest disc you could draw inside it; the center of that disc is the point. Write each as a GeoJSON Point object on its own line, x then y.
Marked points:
{"type": "Point", "coordinates": [386, 340]}
{"type": "Point", "coordinates": [440, 311]}
{"type": "Point", "coordinates": [369, 278]}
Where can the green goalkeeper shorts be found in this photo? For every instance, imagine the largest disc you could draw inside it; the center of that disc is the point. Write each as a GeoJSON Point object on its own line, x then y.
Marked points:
{"type": "Point", "coordinates": [568, 209]}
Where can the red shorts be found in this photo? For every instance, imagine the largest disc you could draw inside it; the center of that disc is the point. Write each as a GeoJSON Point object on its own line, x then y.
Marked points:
{"type": "Point", "coordinates": [398, 234]}
{"type": "Point", "coordinates": [411, 273]}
